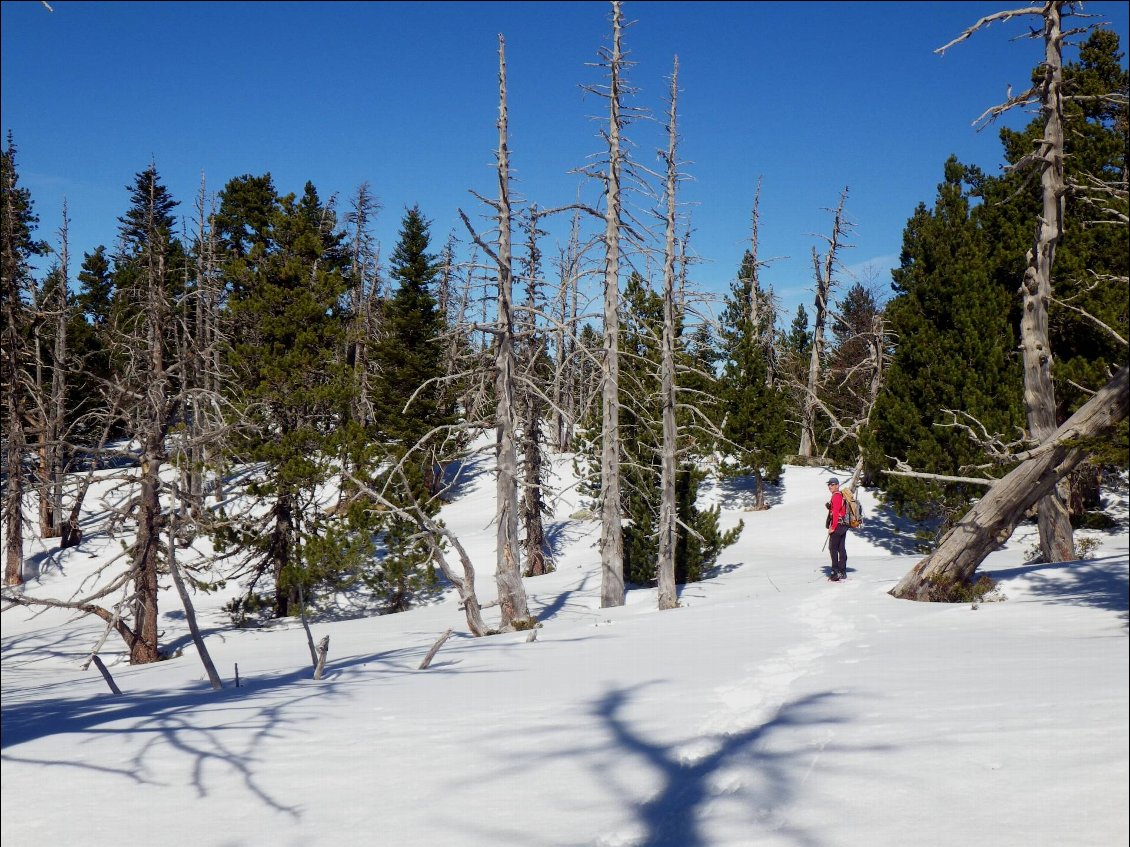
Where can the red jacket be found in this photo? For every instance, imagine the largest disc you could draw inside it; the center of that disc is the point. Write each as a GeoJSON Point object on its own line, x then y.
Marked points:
{"type": "Point", "coordinates": [838, 509]}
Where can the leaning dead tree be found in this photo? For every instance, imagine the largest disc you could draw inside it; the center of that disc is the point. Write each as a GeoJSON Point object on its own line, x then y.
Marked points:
{"type": "Point", "coordinates": [1004, 505]}
{"type": "Point", "coordinates": [1056, 543]}
{"type": "Point", "coordinates": [823, 272]}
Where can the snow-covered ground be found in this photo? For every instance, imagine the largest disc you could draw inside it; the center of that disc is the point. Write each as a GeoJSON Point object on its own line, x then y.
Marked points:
{"type": "Point", "coordinates": [773, 708]}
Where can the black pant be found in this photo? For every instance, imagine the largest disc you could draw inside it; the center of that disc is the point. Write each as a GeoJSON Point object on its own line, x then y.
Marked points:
{"type": "Point", "coordinates": [837, 549]}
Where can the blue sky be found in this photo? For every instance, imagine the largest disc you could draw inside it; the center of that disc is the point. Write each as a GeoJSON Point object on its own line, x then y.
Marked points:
{"type": "Point", "coordinates": [810, 97]}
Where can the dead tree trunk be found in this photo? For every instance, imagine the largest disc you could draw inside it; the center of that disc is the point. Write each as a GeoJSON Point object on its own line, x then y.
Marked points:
{"type": "Point", "coordinates": [186, 601]}
{"type": "Point", "coordinates": [611, 528]}
{"type": "Point", "coordinates": [16, 446]}
{"type": "Point", "coordinates": [668, 510]}
{"type": "Point", "coordinates": [1003, 506]}
{"type": "Point", "coordinates": [508, 574]}
{"type": "Point", "coordinates": [1056, 541]}
{"type": "Point", "coordinates": [816, 361]}
{"type": "Point", "coordinates": [57, 417]}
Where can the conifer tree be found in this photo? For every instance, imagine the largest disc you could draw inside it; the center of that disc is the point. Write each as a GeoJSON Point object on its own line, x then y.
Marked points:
{"type": "Point", "coordinates": [794, 348]}
{"type": "Point", "coordinates": [699, 540]}
{"type": "Point", "coordinates": [286, 266]}
{"type": "Point", "coordinates": [855, 369]}
{"type": "Point", "coordinates": [1087, 317]}
{"type": "Point", "coordinates": [17, 227]}
{"type": "Point", "coordinates": [413, 411]}
{"type": "Point", "coordinates": [755, 407]}
{"type": "Point", "coordinates": [954, 352]}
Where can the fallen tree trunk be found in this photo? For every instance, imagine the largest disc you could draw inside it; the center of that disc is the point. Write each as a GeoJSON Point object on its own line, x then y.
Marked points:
{"type": "Point", "coordinates": [997, 513]}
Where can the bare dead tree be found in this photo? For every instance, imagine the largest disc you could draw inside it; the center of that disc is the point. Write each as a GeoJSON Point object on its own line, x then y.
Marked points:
{"type": "Point", "coordinates": [186, 602]}
{"type": "Point", "coordinates": [1056, 540]}
{"type": "Point", "coordinates": [508, 574]}
{"type": "Point", "coordinates": [434, 532]}
{"type": "Point", "coordinates": [993, 519]}
{"type": "Point", "coordinates": [611, 528]}
{"type": "Point", "coordinates": [565, 382]}
{"type": "Point", "coordinates": [668, 510]}
{"type": "Point", "coordinates": [364, 293]}
{"type": "Point", "coordinates": [823, 271]}
{"type": "Point", "coordinates": [60, 365]}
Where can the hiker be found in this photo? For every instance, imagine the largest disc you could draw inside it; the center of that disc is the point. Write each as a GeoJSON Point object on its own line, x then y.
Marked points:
{"type": "Point", "coordinates": [837, 530]}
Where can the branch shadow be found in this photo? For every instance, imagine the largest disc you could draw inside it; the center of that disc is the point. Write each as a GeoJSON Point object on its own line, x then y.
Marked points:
{"type": "Point", "coordinates": [738, 493]}
{"type": "Point", "coordinates": [1097, 583]}
{"type": "Point", "coordinates": [227, 727]}
{"type": "Point", "coordinates": [890, 532]}
{"type": "Point", "coordinates": [669, 818]}
{"type": "Point", "coordinates": [559, 602]}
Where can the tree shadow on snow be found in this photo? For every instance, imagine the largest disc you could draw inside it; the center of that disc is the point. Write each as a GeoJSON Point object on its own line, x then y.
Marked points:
{"type": "Point", "coordinates": [890, 532]}
{"type": "Point", "coordinates": [1099, 583]}
{"type": "Point", "coordinates": [689, 782]}
{"type": "Point", "coordinates": [208, 728]}
{"type": "Point", "coordinates": [159, 722]}
{"type": "Point", "coordinates": [739, 493]}
{"type": "Point", "coordinates": [461, 474]}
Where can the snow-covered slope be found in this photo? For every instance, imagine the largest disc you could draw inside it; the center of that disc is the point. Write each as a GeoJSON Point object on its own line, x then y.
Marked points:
{"type": "Point", "coordinates": [771, 708]}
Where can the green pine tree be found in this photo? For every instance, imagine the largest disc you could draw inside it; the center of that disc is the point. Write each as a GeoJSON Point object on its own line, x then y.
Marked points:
{"type": "Point", "coordinates": [414, 411]}
{"type": "Point", "coordinates": [286, 268]}
{"type": "Point", "coordinates": [1092, 258]}
{"type": "Point", "coordinates": [954, 351]}
{"type": "Point", "coordinates": [755, 408]}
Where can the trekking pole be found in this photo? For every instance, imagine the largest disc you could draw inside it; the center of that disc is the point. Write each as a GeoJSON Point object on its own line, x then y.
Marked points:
{"type": "Point", "coordinates": [825, 544]}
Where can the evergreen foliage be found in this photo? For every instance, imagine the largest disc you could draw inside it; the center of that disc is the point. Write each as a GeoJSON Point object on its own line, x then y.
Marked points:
{"type": "Point", "coordinates": [287, 275]}
{"type": "Point", "coordinates": [699, 541]}
{"type": "Point", "coordinates": [954, 351]}
{"type": "Point", "coordinates": [414, 412]}
{"type": "Point", "coordinates": [794, 350]}
{"type": "Point", "coordinates": [755, 408]}
{"type": "Point", "coordinates": [850, 368]}
{"type": "Point", "coordinates": [1093, 256]}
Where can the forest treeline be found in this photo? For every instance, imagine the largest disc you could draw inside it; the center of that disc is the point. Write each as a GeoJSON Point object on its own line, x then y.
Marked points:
{"type": "Point", "coordinates": [257, 371]}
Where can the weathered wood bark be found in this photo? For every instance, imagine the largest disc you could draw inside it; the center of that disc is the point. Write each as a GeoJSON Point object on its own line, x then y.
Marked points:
{"type": "Point", "coordinates": [102, 669]}
{"type": "Point", "coordinates": [323, 652]}
{"type": "Point", "coordinates": [15, 441]}
{"type": "Point", "coordinates": [611, 527]}
{"type": "Point", "coordinates": [57, 416]}
{"type": "Point", "coordinates": [153, 423]}
{"type": "Point", "coordinates": [14, 458]}
{"type": "Point", "coordinates": [439, 642]}
{"type": "Point", "coordinates": [668, 516]}
{"type": "Point", "coordinates": [816, 361]}
{"type": "Point", "coordinates": [189, 610]}
{"type": "Point", "coordinates": [1003, 506]}
{"type": "Point", "coordinates": [1056, 541]}
{"type": "Point", "coordinates": [464, 586]}
{"type": "Point", "coordinates": [508, 574]}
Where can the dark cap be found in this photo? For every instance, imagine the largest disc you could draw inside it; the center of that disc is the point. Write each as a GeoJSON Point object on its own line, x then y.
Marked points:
{"type": "Point", "coordinates": [833, 481]}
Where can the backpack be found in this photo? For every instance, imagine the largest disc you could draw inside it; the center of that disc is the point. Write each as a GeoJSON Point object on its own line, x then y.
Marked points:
{"type": "Point", "coordinates": [854, 514]}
